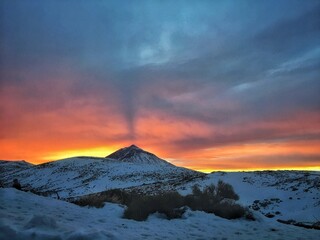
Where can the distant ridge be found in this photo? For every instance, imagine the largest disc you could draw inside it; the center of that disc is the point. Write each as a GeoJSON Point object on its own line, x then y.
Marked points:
{"type": "Point", "coordinates": [135, 154]}
{"type": "Point", "coordinates": [13, 166]}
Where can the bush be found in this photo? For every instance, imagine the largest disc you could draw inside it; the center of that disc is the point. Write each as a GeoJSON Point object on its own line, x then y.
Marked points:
{"type": "Point", "coordinates": [218, 200]}
{"type": "Point", "coordinates": [229, 210]}
{"type": "Point", "coordinates": [225, 190]}
{"type": "Point", "coordinates": [196, 190]}
{"type": "Point", "coordinates": [210, 190]}
{"type": "Point", "coordinates": [170, 204]}
{"type": "Point", "coordinates": [98, 200]}
{"type": "Point", "coordinates": [201, 202]}
{"type": "Point", "coordinates": [139, 209]}
{"type": "Point", "coordinates": [91, 201]}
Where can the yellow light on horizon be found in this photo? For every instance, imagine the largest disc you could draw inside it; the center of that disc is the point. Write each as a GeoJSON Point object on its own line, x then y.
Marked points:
{"type": "Point", "coordinates": [258, 169]}
{"type": "Point", "coordinates": [92, 152]}
{"type": "Point", "coordinates": [211, 169]}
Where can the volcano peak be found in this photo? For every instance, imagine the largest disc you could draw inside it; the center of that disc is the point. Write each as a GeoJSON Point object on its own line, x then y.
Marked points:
{"type": "Point", "coordinates": [135, 154]}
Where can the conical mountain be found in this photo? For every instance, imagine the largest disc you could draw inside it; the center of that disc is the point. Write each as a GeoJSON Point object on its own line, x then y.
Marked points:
{"type": "Point", "coordinates": [135, 154]}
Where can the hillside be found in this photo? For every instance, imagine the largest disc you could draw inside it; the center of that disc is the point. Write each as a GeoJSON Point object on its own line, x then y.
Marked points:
{"type": "Point", "coordinates": [285, 195]}
{"type": "Point", "coordinates": [84, 175]}
{"type": "Point", "coordinates": [7, 167]}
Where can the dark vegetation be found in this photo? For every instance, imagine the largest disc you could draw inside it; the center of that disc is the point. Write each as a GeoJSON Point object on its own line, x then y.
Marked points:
{"type": "Point", "coordinates": [98, 200]}
{"type": "Point", "coordinates": [16, 184]}
{"type": "Point", "coordinates": [170, 204]}
{"type": "Point", "coordinates": [219, 200]}
{"type": "Point", "coordinates": [315, 225]}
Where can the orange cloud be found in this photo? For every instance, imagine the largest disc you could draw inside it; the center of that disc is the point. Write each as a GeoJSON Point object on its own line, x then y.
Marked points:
{"type": "Point", "coordinates": [255, 156]}
{"type": "Point", "coordinates": [48, 119]}
{"type": "Point", "coordinates": [45, 117]}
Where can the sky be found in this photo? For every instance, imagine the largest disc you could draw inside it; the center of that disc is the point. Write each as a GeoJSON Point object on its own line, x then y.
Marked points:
{"type": "Point", "coordinates": [209, 85]}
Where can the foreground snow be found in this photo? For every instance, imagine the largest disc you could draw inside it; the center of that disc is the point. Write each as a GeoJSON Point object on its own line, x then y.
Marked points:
{"type": "Point", "coordinates": [27, 216]}
{"type": "Point", "coordinates": [288, 195]}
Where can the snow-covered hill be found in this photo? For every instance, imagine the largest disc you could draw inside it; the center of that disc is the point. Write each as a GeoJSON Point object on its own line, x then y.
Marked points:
{"type": "Point", "coordinates": [285, 195]}
{"type": "Point", "coordinates": [25, 216]}
{"type": "Point", "coordinates": [84, 175]}
{"type": "Point", "coordinates": [7, 167]}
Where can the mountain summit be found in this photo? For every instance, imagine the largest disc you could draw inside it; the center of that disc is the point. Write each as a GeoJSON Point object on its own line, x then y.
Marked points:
{"type": "Point", "coordinates": [135, 154]}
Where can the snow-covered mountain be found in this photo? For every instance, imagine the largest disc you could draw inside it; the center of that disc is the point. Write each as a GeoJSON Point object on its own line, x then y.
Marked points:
{"type": "Point", "coordinates": [134, 154]}
{"type": "Point", "coordinates": [129, 167]}
{"type": "Point", "coordinates": [13, 166]}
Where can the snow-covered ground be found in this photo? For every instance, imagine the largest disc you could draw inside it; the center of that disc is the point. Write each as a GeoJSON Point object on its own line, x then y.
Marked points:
{"type": "Point", "coordinates": [27, 216]}
{"type": "Point", "coordinates": [288, 195]}
{"type": "Point", "coordinates": [270, 195]}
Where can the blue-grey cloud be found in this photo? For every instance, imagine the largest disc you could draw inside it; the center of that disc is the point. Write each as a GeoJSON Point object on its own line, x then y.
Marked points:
{"type": "Point", "coordinates": [238, 61]}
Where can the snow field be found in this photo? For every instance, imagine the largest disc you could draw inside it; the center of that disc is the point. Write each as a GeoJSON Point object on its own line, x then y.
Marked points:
{"type": "Point", "coordinates": [28, 216]}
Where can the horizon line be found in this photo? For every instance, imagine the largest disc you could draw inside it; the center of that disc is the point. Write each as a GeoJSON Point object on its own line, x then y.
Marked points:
{"type": "Point", "coordinates": [308, 169]}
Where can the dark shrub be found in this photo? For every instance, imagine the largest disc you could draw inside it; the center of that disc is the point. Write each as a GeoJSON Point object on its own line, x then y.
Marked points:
{"type": "Point", "coordinates": [91, 201]}
{"type": "Point", "coordinates": [211, 200]}
{"type": "Point", "coordinates": [192, 202]}
{"type": "Point", "coordinates": [196, 190]}
{"type": "Point", "coordinates": [16, 184]}
{"type": "Point", "coordinates": [97, 200]}
{"type": "Point", "coordinates": [201, 202]}
{"type": "Point", "coordinates": [175, 213]}
{"type": "Point", "coordinates": [210, 190]}
{"type": "Point", "coordinates": [118, 196]}
{"type": "Point", "coordinates": [139, 209]}
{"type": "Point", "coordinates": [214, 200]}
{"type": "Point", "coordinates": [169, 204]}
{"type": "Point", "coordinates": [229, 210]}
{"type": "Point", "coordinates": [249, 216]}
{"type": "Point", "coordinates": [225, 190]}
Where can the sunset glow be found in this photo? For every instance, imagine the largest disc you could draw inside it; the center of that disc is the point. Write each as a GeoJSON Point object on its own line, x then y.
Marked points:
{"type": "Point", "coordinates": [182, 81]}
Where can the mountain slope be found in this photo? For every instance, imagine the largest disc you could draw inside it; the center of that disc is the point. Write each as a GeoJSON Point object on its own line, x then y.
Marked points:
{"type": "Point", "coordinates": [135, 154]}
{"type": "Point", "coordinates": [10, 167]}
{"type": "Point", "coordinates": [79, 176]}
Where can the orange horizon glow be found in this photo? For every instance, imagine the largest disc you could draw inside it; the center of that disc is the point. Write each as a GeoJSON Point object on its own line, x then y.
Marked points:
{"type": "Point", "coordinates": [39, 132]}
{"type": "Point", "coordinates": [209, 160]}
{"type": "Point", "coordinates": [62, 156]}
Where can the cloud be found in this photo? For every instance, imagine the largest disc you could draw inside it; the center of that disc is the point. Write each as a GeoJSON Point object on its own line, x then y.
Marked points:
{"type": "Point", "coordinates": [180, 74]}
{"type": "Point", "coordinates": [292, 34]}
